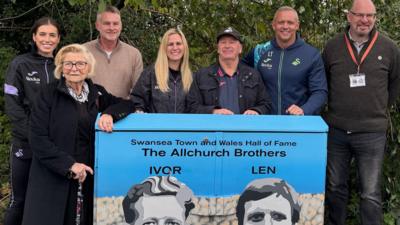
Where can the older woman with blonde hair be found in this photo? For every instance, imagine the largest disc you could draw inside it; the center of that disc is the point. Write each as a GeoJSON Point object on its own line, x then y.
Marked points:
{"type": "Point", "coordinates": [162, 87]}
{"type": "Point", "coordinates": [60, 189]}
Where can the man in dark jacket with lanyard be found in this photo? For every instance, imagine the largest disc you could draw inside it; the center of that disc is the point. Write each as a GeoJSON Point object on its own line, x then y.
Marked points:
{"type": "Point", "coordinates": [292, 70]}
{"type": "Point", "coordinates": [228, 87]}
{"type": "Point", "coordinates": [363, 73]}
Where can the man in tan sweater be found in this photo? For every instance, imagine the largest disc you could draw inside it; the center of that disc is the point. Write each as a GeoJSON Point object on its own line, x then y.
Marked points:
{"type": "Point", "coordinates": [118, 64]}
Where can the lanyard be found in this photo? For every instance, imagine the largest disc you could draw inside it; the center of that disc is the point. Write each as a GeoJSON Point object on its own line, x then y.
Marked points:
{"type": "Point", "coordinates": [351, 52]}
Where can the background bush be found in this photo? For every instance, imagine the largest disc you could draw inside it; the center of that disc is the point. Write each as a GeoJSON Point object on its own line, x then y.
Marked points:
{"type": "Point", "coordinates": [144, 21]}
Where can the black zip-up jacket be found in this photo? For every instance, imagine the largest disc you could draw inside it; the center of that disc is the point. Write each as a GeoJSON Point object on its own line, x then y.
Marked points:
{"type": "Point", "coordinates": [26, 75]}
{"type": "Point", "coordinates": [203, 96]}
{"type": "Point", "coordinates": [147, 97]}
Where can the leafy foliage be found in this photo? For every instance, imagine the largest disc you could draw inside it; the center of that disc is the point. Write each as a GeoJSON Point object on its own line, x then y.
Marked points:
{"type": "Point", "coordinates": [144, 22]}
{"type": "Point", "coordinates": [6, 54]}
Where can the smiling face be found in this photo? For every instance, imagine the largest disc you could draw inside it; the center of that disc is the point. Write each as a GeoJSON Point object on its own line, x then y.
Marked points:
{"type": "Point", "coordinates": [175, 48]}
{"type": "Point", "coordinates": [361, 19]}
{"type": "Point", "coordinates": [285, 26]}
{"type": "Point", "coordinates": [272, 210]}
{"type": "Point", "coordinates": [159, 210]}
{"type": "Point", "coordinates": [109, 26]}
{"type": "Point", "coordinates": [229, 48]}
{"type": "Point", "coordinates": [46, 39]}
{"type": "Point", "coordinates": [75, 68]}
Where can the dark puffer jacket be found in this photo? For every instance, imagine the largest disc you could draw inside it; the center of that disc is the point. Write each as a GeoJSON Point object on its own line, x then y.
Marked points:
{"type": "Point", "coordinates": [147, 97]}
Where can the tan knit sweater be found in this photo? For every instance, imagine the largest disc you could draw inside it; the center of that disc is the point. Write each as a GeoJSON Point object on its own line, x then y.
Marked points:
{"type": "Point", "coordinates": [119, 73]}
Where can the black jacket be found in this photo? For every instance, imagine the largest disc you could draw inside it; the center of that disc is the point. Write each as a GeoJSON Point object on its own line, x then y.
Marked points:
{"type": "Point", "coordinates": [53, 139]}
{"type": "Point", "coordinates": [203, 96]}
{"type": "Point", "coordinates": [147, 97]}
{"type": "Point", "coordinates": [26, 75]}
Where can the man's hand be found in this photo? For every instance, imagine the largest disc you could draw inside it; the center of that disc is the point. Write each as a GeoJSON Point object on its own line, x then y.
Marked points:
{"type": "Point", "coordinates": [223, 111]}
{"type": "Point", "coordinates": [250, 112]}
{"type": "Point", "coordinates": [295, 110]}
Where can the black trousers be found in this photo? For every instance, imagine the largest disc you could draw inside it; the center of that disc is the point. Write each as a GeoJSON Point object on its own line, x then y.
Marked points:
{"type": "Point", "coordinates": [368, 151]}
{"type": "Point", "coordinates": [19, 174]}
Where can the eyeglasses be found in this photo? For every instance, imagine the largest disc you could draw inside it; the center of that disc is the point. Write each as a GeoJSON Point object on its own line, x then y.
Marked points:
{"type": "Point", "coordinates": [369, 16]}
{"type": "Point", "coordinates": [80, 65]}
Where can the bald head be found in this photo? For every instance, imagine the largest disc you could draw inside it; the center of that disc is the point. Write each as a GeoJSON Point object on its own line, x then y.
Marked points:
{"type": "Point", "coordinates": [357, 4]}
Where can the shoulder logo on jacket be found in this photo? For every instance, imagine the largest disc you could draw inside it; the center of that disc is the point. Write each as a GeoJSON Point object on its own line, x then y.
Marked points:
{"type": "Point", "coordinates": [19, 153]}
{"type": "Point", "coordinates": [296, 62]}
{"type": "Point", "coordinates": [32, 78]}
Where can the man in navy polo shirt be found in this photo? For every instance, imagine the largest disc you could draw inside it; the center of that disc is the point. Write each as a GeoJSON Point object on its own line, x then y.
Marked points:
{"type": "Point", "coordinates": [228, 87]}
{"type": "Point", "coordinates": [292, 70]}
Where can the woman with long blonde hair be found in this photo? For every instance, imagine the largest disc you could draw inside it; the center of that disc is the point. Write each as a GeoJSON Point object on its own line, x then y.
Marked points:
{"type": "Point", "coordinates": [162, 87]}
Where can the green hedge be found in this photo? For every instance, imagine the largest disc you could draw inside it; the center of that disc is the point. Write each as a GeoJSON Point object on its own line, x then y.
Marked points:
{"type": "Point", "coordinates": [6, 54]}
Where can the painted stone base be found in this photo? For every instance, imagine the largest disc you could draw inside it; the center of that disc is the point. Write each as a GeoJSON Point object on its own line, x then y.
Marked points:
{"type": "Point", "coordinates": [210, 211]}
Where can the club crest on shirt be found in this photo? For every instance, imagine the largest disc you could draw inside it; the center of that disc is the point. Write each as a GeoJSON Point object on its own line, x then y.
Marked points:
{"type": "Point", "coordinates": [296, 62]}
{"type": "Point", "coordinates": [267, 63]}
{"type": "Point", "coordinates": [32, 73]}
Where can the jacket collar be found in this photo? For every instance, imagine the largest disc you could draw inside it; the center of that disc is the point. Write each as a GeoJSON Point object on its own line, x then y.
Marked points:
{"type": "Point", "coordinates": [62, 87]}
{"type": "Point", "coordinates": [171, 78]}
{"type": "Point", "coordinates": [36, 58]}
{"type": "Point", "coordinates": [213, 70]}
{"type": "Point", "coordinates": [371, 34]}
{"type": "Point", "coordinates": [299, 41]}
{"type": "Point", "coordinates": [98, 46]}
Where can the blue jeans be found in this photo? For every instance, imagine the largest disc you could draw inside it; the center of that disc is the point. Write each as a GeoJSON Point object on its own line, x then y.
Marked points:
{"type": "Point", "coordinates": [368, 151]}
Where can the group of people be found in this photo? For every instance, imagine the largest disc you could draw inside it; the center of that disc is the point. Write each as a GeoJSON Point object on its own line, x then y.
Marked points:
{"type": "Point", "coordinates": [53, 103]}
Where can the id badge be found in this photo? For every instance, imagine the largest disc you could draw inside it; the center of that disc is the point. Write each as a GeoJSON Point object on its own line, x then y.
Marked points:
{"type": "Point", "coordinates": [357, 80]}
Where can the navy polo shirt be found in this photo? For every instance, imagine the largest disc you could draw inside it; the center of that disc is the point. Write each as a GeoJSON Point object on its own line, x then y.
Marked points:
{"type": "Point", "coordinates": [228, 91]}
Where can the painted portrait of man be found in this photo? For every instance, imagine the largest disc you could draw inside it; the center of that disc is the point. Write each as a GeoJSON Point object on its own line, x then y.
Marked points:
{"type": "Point", "coordinates": [158, 200]}
{"type": "Point", "coordinates": [268, 201]}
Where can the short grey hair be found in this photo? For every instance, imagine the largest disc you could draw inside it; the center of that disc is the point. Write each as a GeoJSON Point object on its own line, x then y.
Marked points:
{"type": "Point", "coordinates": [110, 9]}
